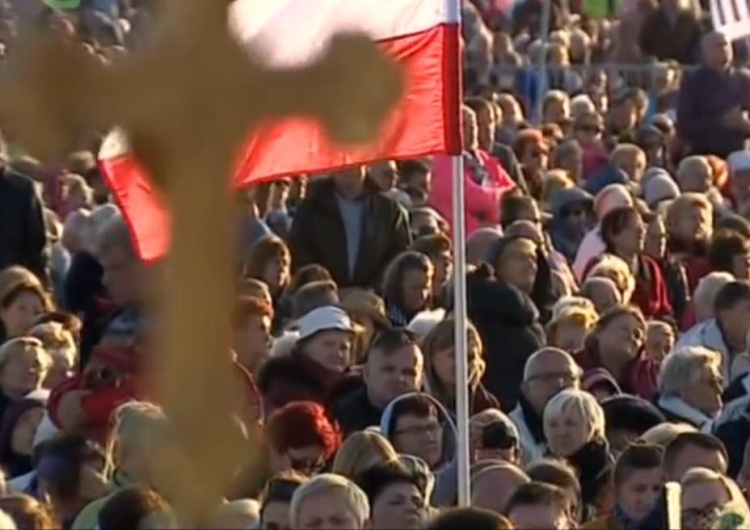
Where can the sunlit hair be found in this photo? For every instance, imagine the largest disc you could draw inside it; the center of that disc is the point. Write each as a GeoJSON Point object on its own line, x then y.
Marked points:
{"type": "Point", "coordinates": [615, 268]}
{"type": "Point", "coordinates": [133, 423]}
{"type": "Point", "coordinates": [362, 450]}
{"type": "Point", "coordinates": [354, 497]}
{"type": "Point", "coordinates": [686, 366]}
{"type": "Point", "coordinates": [24, 345]}
{"type": "Point", "coordinates": [702, 475]}
{"type": "Point", "coordinates": [480, 420]}
{"type": "Point", "coordinates": [57, 340]}
{"type": "Point", "coordinates": [664, 433]}
{"type": "Point", "coordinates": [442, 337]}
{"type": "Point", "coordinates": [681, 203]}
{"type": "Point", "coordinates": [705, 293]}
{"type": "Point", "coordinates": [580, 402]}
{"type": "Point", "coordinates": [27, 512]}
{"type": "Point", "coordinates": [266, 249]}
{"type": "Point", "coordinates": [612, 314]}
{"type": "Point", "coordinates": [302, 424]}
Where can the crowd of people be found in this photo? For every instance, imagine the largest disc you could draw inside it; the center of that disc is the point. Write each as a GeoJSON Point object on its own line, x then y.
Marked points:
{"type": "Point", "coordinates": [608, 293]}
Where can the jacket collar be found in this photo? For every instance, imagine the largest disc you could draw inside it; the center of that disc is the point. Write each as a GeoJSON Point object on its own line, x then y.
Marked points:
{"type": "Point", "coordinates": [678, 407]}
{"type": "Point", "coordinates": [532, 419]}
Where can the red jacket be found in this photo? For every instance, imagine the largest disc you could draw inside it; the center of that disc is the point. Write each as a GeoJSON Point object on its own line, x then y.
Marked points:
{"type": "Point", "coordinates": [639, 377]}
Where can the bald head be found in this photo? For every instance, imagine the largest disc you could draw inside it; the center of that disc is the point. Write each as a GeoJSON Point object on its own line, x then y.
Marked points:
{"type": "Point", "coordinates": [480, 242]}
{"type": "Point", "coordinates": [716, 50]}
{"type": "Point", "coordinates": [548, 357]}
{"type": "Point", "coordinates": [493, 487]}
{"type": "Point", "coordinates": [548, 371]}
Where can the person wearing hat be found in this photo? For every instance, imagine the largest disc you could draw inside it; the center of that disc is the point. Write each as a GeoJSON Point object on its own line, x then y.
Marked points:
{"type": "Point", "coordinates": [318, 363]}
{"type": "Point", "coordinates": [627, 417]}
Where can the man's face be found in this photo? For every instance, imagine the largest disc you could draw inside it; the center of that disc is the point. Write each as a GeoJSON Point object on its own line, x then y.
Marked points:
{"type": "Point", "coordinates": [694, 456]}
{"type": "Point", "coordinates": [551, 373]}
{"type": "Point", "coordinates": [518, 264]}
{"type": "Point", "coordinates": [539, 517]}
{"type": "Point", "coordinates": [350, 178]}
{"type": "Point", "coordinates": [638, 494]}
{"type": "Point", "coordinates": [419, 436]}
{"type": "Point", "coordinates": [385, 175]}
{"type": "Point", "coordinates": [717, 51]}
{"type": "Point", "coordinates": [122, 275]}
{"type": "Point", "coordinates": [394, 374]}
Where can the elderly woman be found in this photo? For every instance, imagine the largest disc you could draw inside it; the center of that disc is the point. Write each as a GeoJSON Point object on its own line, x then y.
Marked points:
{"type": "Point", "coordinates": [329, 501]}
{"type": "Point", "coordinates": [704, 297]}
{"type": "Point", "coordinates": [711, 500]}
{"type": "Point", "coordinates": [690, 386]}
{"type": "Point", "coordinates": [690, 225]}
{"type": "Point", "coordinates": [574, 427]}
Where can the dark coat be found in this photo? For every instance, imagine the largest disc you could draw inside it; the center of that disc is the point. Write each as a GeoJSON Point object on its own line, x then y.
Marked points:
{"type": "Point", "coordinates": [705, 96]}
{"type": "Point", "coordinates": [23, 236]}
{"type": "Point", "coordinates": [592, 461]}
{"type": "Point", "coordinates": [639, 377]}
{"type": "Point", "coordinates": [318, 236]}
{"type": "Point", "coordinates": [508, 322]}
{"type": "Point", "coordinates": [664, 40]}
{"type": "Point", "coordinates": [354, 412]}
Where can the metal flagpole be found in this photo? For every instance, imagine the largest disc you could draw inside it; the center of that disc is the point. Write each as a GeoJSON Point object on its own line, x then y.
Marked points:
{"type": "Point", "coordinates": [459, 310]}
{"type": "Point", "coordinates": [461, 318]}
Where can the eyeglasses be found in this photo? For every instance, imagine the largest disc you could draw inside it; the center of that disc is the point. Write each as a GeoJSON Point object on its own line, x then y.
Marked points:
{"type": "Point", "coordinates": [307, 465]}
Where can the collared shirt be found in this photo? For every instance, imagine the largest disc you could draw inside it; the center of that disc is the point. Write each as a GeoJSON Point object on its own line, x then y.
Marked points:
{"type": "Point", "coordinates": [352, 214]}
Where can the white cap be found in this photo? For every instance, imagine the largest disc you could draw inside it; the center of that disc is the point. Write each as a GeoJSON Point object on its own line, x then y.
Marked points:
{"type": "Point", "coordinates": [322, 319]}
{"type": "Point", "coordinates": [739, 161]}
{"type": "Point", "coordinates": [424, 322]}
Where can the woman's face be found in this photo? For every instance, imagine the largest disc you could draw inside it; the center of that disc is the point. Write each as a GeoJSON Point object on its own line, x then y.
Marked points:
{"type": "Point", "coordinates": [327, 510]}
{"type": "Point", "coordinates": [275, 516]}
{"type": "Point", "coordinates": [399, 506]}
{"type": "Point", "coordinates": [443, 263]}
{"type": "Point", "coordinates": [444, 365]}
{"type": "Point", "coordinates": [24, 431]}
{"type": "Point", "coordinates": [588, 131]}
{"type": "Point", "coordinates": [694, 224]}
{"type": "Point", "coordinates": [416, 287]}
{"type": "Point", "coordinates": [630, 239]}
{"type": "Point", "coordinates": [701, 502]}
{"type": "Point", "coordinates": [566, 433]}
{"type": "Point", "coordinates": [24, 371]}
{"type": "Point", "coordinates": [21, 314]}
{"type": "Point", "coordinates": [705, 395]}
{"type": "Point", "coordinates": [276, 272]}
{"type": "Point", "coordinates": [331, 348]}
{"type": "Point", "coordinates": [622, 336]}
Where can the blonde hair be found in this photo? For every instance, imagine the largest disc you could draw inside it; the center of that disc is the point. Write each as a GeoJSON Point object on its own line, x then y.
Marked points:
{"type": "Point", "coordinates": [583, 403]}
{"type": "Point", "coordinates": [663, 434]}
{"type": "Point", "coordinates": [132, 422]}
{"type": "Point", "coordinates": [360, 451]}
{"type": "Point", "coordinates": [572, 310]}
{"type": "Point", "coordinates": [354, 497]}
{"type": "Point", "coordinates": [705, 293]}
{"type": "Point", "coordinates": [685, 367]}
{"type": "Point", "coordinates": [58, 341]}
{"type": "Point", "coordinates": [554, 180]}
{"type": "Point", "coordinates": [24, 345]}
{"type": "Point", "coordinates": [686, 200]}
{"type": "Point", "coordinates": [623, 151]}
{"type": "Point", "coordinates": [615, 268]}
{"type": "Point", "coordinates": [702, 475]}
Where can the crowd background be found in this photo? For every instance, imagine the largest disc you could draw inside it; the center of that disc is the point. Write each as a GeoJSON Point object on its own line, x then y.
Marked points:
{"type": "Point", "coordinates": [608, 292]}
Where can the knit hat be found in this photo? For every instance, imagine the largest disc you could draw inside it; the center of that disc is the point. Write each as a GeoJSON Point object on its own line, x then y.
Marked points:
{"type": "Point", "coordinates": [660, 187]}
{"type": "Point", "coordinates": [631, 413]}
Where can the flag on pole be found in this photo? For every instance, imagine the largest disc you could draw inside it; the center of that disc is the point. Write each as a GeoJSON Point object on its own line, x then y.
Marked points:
{"type": "Point", "coordinates": [422, 35]}
{"type": "Point", "coordinates": [731, 17]}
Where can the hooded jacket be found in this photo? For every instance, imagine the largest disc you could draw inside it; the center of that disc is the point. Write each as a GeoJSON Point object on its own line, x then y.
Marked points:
{"type": "Point", "coordinates": [446, 474]}
{"type": "Point", "coordinates": [564, 243]}
{"type": "Point", "coordinates": [508, 322]}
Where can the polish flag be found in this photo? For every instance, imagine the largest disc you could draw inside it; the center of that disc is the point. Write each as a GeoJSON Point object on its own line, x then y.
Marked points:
{"type": "Point", "coordinates": [422, 35]}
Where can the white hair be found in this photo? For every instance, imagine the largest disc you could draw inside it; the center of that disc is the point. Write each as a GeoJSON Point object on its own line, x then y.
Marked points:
{"type": "Point", "coordinates": [581, 104]}
{"type": "Point", "coordinates": [354, 497]}
{"type": "Point", "coordinates": [78, 229]}
{"type": "Point", "coordinates": [705, 293]}
{"type": "Point", "coordinates": [7, 522]}
{"type": "Point", "coordinates": [583, 403]}
{"type": "Point", "coordinates": [115, 233]}
{"type": "Point", "coordinates": [537, 356]}
{"type": "Point", "coordinates": [685, 367]}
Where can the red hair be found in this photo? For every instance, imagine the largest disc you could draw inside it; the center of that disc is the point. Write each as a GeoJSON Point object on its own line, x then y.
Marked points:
{"type": "Point", "coordinates": [302, 424]}
{"type": "Point", "coordinates": [246, 307]}
{"type": "Point", "coordinates": [526, 138]}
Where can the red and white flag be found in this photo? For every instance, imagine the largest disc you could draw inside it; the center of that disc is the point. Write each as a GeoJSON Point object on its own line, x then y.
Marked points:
{"type": "Point", "coordinates": [422, 35]}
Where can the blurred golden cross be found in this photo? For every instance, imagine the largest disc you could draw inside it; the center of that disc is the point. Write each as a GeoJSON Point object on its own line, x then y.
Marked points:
{"type": "Point", "coordinates": [186, 105]}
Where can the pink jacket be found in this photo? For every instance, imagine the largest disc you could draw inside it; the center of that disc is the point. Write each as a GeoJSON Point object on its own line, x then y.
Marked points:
{"type": "Point", "coordinates": [482, 201]}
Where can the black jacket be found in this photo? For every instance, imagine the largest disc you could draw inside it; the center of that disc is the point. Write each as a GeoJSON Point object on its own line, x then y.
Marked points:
{"type": "Point", "coordinates": [508, 323]}
{"type": "Point", "coordinates": [354, 412]}
{"type": "Point", "coordinates": [23, 237]}
{"type": "Point", "coordinates": [318, 236]}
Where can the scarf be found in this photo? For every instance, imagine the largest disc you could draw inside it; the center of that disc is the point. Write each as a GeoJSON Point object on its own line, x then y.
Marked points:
{"type": "Point", "coordinates": [678, 407]}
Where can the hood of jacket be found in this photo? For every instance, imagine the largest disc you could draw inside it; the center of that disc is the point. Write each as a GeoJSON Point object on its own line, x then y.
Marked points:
{"type": "Point", "coordinates": [446, 475]}
{"type": "Point", "coordinates": [489, 299]}
{"type": "Point", "coordinates": [567, 197]}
